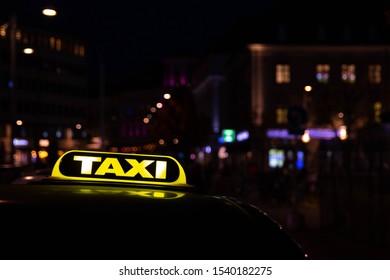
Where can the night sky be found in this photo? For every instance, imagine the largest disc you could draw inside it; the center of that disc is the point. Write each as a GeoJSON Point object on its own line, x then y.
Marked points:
{"type": "Point", "coordinates": [131, 35]}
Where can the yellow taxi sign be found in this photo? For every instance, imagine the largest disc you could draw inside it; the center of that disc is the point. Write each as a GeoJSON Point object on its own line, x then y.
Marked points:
{"type": "Point", "coordinates": [119, 167]}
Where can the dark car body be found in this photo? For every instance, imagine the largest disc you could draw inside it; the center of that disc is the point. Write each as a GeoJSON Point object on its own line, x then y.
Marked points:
{"type": "Point", "coordinates": [71, 219]}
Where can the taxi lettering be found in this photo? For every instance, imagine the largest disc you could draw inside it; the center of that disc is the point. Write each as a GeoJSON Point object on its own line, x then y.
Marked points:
{"type": "Point", "coordinates": [113, 166]}
{"type": "Point", "coordinates": [83, 166]}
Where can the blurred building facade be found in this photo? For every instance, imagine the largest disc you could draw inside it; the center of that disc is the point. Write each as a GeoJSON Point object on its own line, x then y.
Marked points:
{"type": "Point", "coordinates": [309, 103]}
{"type": "Point", "coordinates": [44, 93]}
{"type": "Point", "coordinates": [273, 91]}
{"type": "Point", "coordinates": [285, 95]}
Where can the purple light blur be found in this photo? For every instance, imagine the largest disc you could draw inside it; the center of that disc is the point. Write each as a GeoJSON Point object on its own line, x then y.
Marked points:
{"type": "Point", "coordinates": [242, 136]}
{"type": "Point", "coordinates": [315, 133]}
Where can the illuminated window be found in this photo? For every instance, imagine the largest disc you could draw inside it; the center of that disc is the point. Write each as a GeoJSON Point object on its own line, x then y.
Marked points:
{"type": "Point", "coordinates": [52, 42]}
{"type": "Point", "coordinates": [348, 74]}
{"type": "Point", "coordinates": [374, 73]}
{"type": "Point", "coordinates": [58, 44]}
{"type": "Point", "coordinates": [82, 51]}
{"type": "Point", "coordinates": [3, 30]}
{"type": "Point", "coordinates": [282, 73]}
{"type": "Point", "coordinates": [322, 74]}
{"type": "Point", "coordinates": [18, 35]}
{"type": "Point", "coordinates": [377, 111]}
{"type": "Point", "coordinates": [281, 115]}
{"type": "Point", "coordinates": [76, 49]}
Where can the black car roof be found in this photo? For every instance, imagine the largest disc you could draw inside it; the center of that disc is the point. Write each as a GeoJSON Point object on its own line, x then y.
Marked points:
{"type": "Point", "coordinates": [73, 221]}
{"type": "Point", "coordinates": [67, 219]}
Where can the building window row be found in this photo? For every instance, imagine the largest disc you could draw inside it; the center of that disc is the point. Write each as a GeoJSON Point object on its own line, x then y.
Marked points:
{"type": "Point", "coordinates": [348, 73]}
{"type": "Point", "coordinates": [179, 75]}
{"type": "Point", "coordinates": [281, 113]}
{"type": "Point", "coordinates": [40, 40]}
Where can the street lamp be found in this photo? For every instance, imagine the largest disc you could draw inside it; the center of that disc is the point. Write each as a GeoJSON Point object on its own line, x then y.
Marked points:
{"type": "Point", "coordinates": [49, 11]}
{"type": "Point", "coordinates": [28, 50]}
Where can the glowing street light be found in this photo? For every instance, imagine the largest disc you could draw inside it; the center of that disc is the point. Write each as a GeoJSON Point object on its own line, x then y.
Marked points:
{"type": "Point", "coordinates": [28, 50]}
{"type": "Point", "coordinates": [342, 132]}
{"type": "Point", "coordinates": [308, 88]}
{"type": "Point", "coordinates": [50, 12]}
{"type": "Point", "coordinates": [306, 137]}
